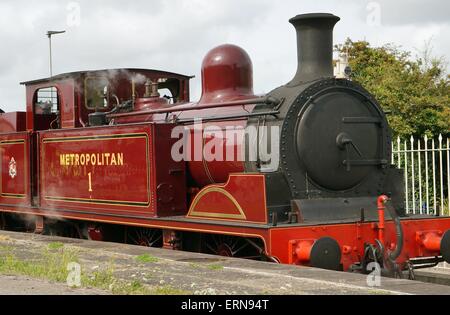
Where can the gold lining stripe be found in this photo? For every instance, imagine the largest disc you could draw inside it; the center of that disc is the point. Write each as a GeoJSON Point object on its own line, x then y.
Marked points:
{"type": "Point", "coordinates": [90, 138]}
{"type": "Point", "coordinates": [102, 138]}
{"type": "Point", "coordinates": [99, 201]}
{"type": "Point", "coordinates": [12, 195]}
{"type": "Point", "coordinates": [223, 185]}
{"type": "Point", "coordinates": [6, 142]}
{"type": "Point", "coordinates": [205, 163]}
{"type": "Point", "coordinates": [16, 196]}
{"type": "Point", "coordinates": [222, 191]}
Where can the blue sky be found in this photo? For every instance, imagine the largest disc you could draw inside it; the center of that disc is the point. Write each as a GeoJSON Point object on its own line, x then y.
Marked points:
{"type": "Point", "coordinates": [175, 35]}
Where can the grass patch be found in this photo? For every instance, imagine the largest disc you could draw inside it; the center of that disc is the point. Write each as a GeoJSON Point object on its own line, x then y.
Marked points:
{"type": "Point", "coordinates": [215, 267]}
{"type": "Point", "coordinates": [146, 258]}
{"type": "Point", "coordinates": [5, 248]}
{"type": "Point", "coordinates": [105, 280]}
{"type": "Point", "coordinates": [55, 245]}
{"type": "Point", "coordinates": [52, 265]}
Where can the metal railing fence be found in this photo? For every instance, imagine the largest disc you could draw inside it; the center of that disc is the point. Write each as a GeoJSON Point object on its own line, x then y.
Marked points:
{"type": "Point", "coordinates": [426, 163]}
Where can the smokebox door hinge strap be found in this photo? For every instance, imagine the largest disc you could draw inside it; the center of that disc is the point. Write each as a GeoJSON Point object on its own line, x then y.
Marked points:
{"type": "Point", "coordinates": [361, 120]}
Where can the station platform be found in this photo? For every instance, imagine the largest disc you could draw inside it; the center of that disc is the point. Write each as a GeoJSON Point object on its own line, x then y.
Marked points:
{"type": "Point", "coordinates": [177, 272]}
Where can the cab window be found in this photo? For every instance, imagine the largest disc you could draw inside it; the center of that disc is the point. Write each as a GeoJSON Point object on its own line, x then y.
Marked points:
{"type": "Point", "coordinates": [47, 101]}
{"type": "Point", "coordinates": [46, 109]}
{"type": "Point", "coordinates": [96, 93]}
{"type": "Point", "coordinates": [166, 93]}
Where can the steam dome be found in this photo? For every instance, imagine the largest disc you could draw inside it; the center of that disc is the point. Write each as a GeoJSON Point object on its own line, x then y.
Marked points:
{"type": "Point", "coordinates": [227, 74]}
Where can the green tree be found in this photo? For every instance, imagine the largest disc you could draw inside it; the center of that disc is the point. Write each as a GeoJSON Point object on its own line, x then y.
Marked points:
{"type": "Point", "coordinates": [414, 91]}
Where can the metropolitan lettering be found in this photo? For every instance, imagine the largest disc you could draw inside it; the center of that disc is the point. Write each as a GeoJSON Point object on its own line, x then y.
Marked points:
{"type": "Point", "coordinates": [91, 159]}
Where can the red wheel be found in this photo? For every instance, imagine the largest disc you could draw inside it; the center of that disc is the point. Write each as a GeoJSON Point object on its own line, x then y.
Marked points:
{"type": "Point", "coordinates": [144, 237]}
{"type": "Point", "coordinates": [231, 246]}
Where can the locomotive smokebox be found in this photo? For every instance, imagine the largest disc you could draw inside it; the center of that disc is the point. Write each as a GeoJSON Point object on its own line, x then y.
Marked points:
{"type": "Point", "coordinates": [314, 46]}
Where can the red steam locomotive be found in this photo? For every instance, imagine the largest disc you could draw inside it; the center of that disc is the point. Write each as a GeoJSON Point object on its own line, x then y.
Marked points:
{"type": "Point", "coordinates": [298, 176]}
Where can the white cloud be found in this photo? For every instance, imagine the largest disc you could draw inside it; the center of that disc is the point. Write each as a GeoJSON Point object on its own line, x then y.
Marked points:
{"type": "Point", "coordinates": [175, 35]}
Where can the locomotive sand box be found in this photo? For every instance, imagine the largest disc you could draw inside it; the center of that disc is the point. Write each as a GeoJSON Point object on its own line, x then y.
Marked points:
{"type": "Point", "coordinates": [298, 176]}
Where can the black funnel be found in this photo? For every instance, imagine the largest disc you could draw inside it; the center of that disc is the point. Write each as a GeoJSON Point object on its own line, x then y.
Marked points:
{"type": "Point", "coordinates": [314, 46]}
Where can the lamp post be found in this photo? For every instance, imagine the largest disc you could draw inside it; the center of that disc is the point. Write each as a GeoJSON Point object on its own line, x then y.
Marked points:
{"type": "Point", "coordinates": [49, 35]}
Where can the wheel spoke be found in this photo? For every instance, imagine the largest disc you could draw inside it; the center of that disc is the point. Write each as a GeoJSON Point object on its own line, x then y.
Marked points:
{"type": "Point", "coordinates": [234, 243]}
{"type": "Point", "coordinates": [230, 246]}
{"type": "Point", "coordinates": [144, 237]}
{"type": "Point", "coordinates": [155, 241]}
{"type": "Point", "coordinates": [211, 249]}
{"type": "Point", "coordinates": [216, 241]}
{"type": "Point", "coordinates": [240, 248]}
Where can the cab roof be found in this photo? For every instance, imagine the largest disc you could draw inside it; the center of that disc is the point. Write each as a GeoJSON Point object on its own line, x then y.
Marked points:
{"type": "Point", "coordinates": [110, 72]}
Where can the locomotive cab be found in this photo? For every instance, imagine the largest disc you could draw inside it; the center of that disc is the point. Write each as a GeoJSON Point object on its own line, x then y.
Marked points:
{"type": "Point", "coordinates": [66, 100]}
{"type": "Point", "coordinates": [39, 150]}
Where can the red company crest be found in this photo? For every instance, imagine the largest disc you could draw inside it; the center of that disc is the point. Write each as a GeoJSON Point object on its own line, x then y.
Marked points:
{"type": "Point", "coordinates": [12, 168]}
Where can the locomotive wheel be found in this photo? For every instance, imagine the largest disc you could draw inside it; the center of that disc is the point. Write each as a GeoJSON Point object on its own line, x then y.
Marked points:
{"type": "Point", "coordinates": [231, 246]}
{"type": "Point", "coordinates": [145, 237]}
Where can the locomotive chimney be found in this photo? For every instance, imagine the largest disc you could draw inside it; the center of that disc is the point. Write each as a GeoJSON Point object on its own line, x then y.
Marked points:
{"type": "Point", "coordinates": [314, 46]}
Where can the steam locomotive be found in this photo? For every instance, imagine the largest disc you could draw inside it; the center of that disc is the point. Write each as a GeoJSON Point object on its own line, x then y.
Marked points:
{"type": "Point", "coordinates": [301, 175]}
